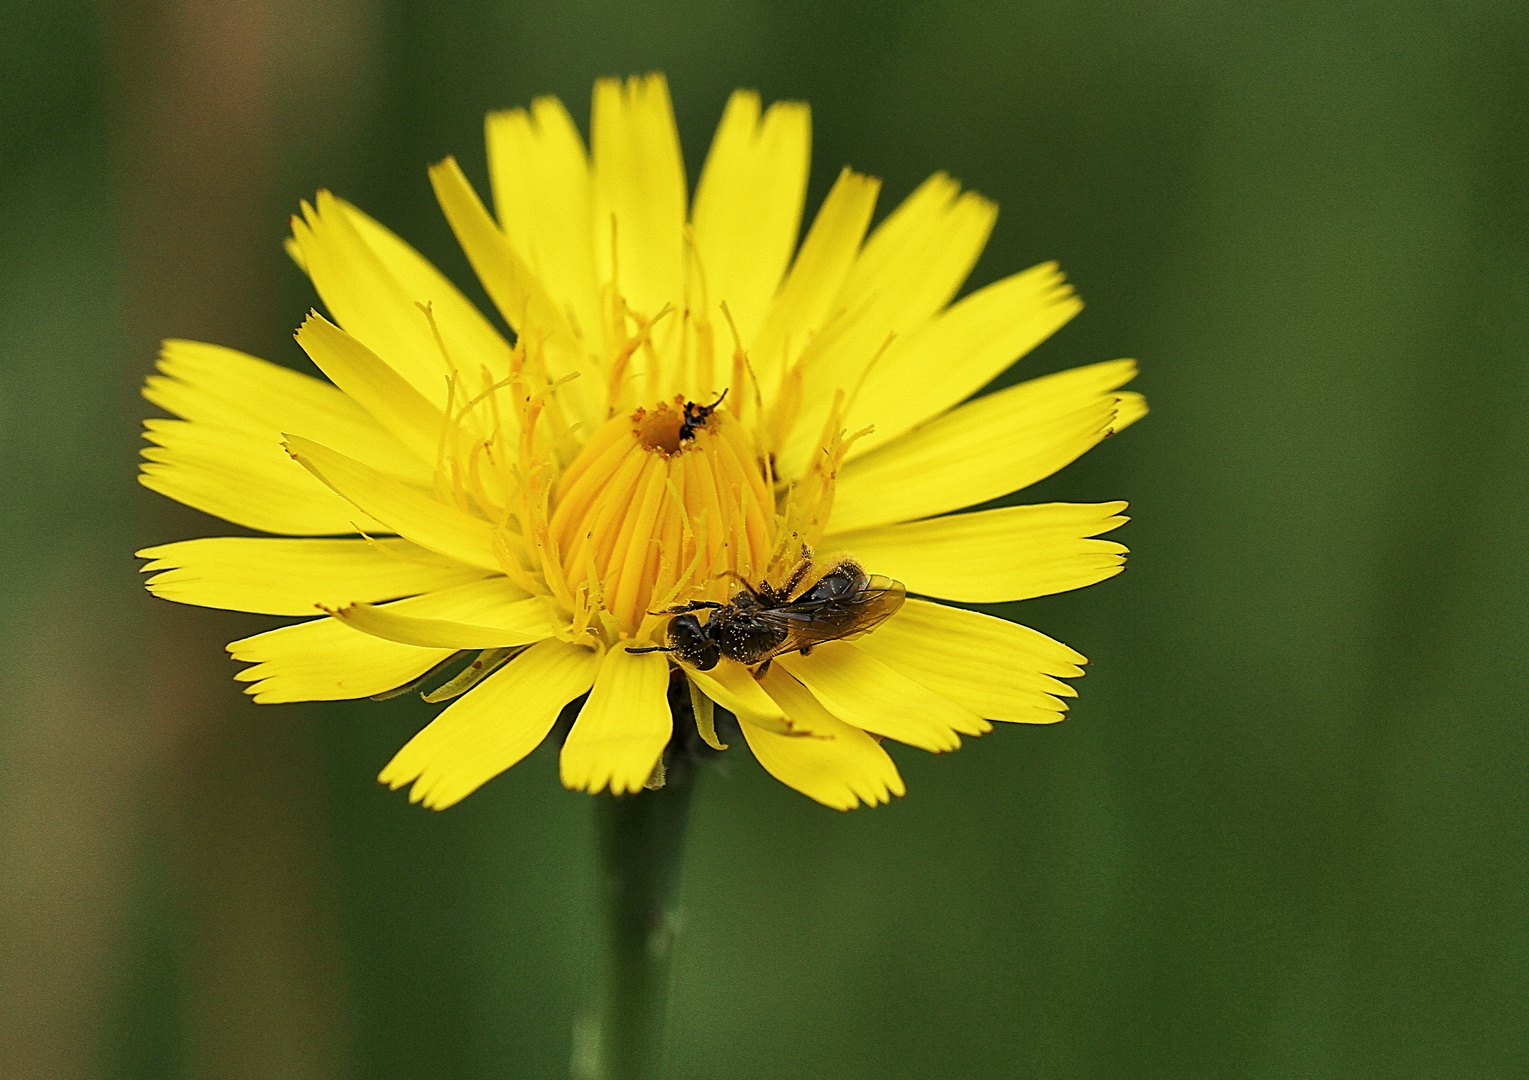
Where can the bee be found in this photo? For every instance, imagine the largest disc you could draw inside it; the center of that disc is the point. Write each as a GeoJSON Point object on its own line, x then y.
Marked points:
{"type": "Point", "coordinates": [762, 622]}
{"type": "Point", "coordinates": [695, 416]}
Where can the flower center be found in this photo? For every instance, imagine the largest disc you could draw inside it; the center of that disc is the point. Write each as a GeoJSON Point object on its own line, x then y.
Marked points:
{"type": "Point", "coordinates": [662, 506]}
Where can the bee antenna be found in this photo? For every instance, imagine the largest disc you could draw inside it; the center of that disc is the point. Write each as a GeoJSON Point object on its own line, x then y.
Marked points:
{"type": "Point", "coordinates": [651, 648]}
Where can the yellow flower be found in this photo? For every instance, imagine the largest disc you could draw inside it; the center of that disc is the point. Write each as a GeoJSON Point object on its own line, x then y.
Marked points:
{"type": "Point", "coordinates": [538, 502]}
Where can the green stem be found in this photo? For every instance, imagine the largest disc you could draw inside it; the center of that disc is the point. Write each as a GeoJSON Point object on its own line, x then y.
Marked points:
{"type": "Point", "coordinates": [642, 840]}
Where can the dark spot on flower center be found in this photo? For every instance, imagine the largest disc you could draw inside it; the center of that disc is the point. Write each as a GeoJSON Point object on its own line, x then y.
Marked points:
{"type": "Point", "coordinates": [658, 429]}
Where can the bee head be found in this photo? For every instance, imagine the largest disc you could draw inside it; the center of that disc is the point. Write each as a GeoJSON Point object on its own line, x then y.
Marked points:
{"type": "Point", "coordinates": [688, 641]}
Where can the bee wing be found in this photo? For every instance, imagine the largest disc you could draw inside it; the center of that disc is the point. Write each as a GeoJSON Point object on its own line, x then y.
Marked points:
{"type": "Point", "coordinates": [814, 622]}
{"type": "Point", "coordinates": [877, 602]}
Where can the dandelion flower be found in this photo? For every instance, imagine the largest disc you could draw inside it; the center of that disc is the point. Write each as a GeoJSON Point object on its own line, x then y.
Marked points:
{"type": "Point", "coordinates": [691, 404]}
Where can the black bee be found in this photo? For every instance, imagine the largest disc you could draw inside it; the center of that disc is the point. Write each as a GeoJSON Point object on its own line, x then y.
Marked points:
{"type": "Point", "coordinates": [696, 417]}
{"type": "Point", "coordinates": [763, 622]}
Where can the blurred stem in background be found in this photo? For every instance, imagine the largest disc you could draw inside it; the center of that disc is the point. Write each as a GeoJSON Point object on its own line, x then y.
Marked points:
{"type": "Point", "coordinates": [642, 843]}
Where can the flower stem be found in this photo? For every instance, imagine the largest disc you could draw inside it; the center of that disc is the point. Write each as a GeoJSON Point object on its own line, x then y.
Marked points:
{"type": "Point", "coordinates": [642, 839]}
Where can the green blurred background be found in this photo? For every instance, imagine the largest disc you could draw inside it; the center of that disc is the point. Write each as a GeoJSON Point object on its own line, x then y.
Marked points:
{"type": "Point", "coordinates": [1284, 834]}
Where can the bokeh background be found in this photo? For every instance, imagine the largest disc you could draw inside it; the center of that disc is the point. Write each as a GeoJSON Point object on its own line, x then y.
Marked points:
{"type": "Point", "coordinates": [1284, 834]}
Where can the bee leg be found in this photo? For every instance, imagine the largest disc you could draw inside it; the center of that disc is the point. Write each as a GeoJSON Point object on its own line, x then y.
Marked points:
{"type": "Point", "coordinates": [798, 575]}
{"type": "Point", "coordinates": [755, 593]}
{"type": "Point", "coordinates": [763, 669]}
{"type": "Point", "coordinates": [694, 605]}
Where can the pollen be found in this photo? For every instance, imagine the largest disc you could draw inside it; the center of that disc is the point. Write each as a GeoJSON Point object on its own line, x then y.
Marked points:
{"type": "Point", "coordinates": [644, 517]}
{"type": "Point", "coordinates": [662, 428]}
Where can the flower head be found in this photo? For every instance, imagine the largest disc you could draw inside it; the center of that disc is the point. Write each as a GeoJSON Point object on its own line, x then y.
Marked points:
{"type": "Point", "coordinates": [697, 428]}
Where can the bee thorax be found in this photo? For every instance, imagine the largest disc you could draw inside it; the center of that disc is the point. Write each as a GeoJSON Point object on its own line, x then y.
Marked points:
{"type": "Point", "coordinates": [742, 636]}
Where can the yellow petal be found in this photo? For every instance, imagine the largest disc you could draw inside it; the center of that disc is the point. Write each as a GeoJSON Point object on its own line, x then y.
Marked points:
{"type": "Point", "coordinates": [1129, 408]}
{"type": "Point", "coordinates": [540, 178]}
{"type": "Point", "coordinates": [227, 389]}
{"type": "Point", "coordinates": [1019, 644]}
{"type": "Point", "coordinates": [246, 479]}
{"type": "Point", "coordinates": [731, 686]}
{"type": "Point", "coordinates": [493, 726]}
{"type": "Point", "coordinates": [405, 510]}
{"type": "Point", "coordinates": [748, 205]}
{"type": "Point", "coordinates": [517, 622]}
{"type": "Point", "coordinates": [810, 295]}
{"type": "Point", "coordinates": [293, 577]}
{"type": "Point", "coordinates": [997, 669]}
{"type": "Point", "coordinates": [510, 283]}
{"type": "Point", "coordinates": [639, 192]}
{"type": "Point", "coordinates": [326, 660]}
{"type": "Point", "coordinates": [705, 716]}
{"type": "Point", "coordinates": [861, 690]}
{"type": "Point", "coordinates": [918, 257]}
{"type": "Point", "coordinates": [990, 447]}
{"type": "Point", "coordinates": [623, 727]}
{"type": "Point", "coordinates": [958, 353]}
{"type": "Point", "coordinates": [990, 556]}
{"type": "Point", "coordinates": [365, 297]}
{"type": "Point", "coordinates": [373, 385]}
{"type": "Point", "coordinates": [470, 338]}
{"type": "Point", "coordinates": [908, 270]}
{"type": "Point", "coordinates": [841, 770]}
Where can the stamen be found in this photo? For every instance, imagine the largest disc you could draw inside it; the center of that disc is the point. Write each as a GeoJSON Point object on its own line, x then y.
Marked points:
{"type": "Point", "coordinates": [644, 515]}
{"type": "Point", "coordinates": [742, 367]}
